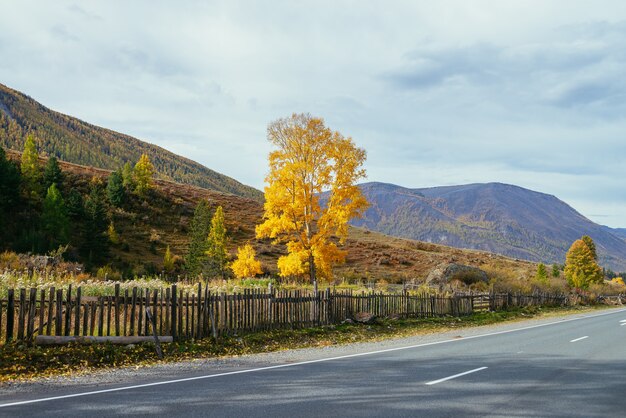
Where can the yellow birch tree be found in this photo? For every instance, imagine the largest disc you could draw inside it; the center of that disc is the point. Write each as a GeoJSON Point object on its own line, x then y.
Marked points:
{"type": "Point", "coordinates": [246, 264]}
{"type": "Point", "coordinates": [310, 159]}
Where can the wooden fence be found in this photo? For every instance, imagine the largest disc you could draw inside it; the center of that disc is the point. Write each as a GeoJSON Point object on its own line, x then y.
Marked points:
{"type": "Point", "coordinates": [186, 315]}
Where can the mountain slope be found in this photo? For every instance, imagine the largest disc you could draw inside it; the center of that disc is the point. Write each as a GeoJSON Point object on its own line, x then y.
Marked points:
{"type": "Point", "coordinates": [147, 227]}
{"type": "Point", "coordinates": [78, 142]}
{"type": "Point", "coordinates": [494, 217]}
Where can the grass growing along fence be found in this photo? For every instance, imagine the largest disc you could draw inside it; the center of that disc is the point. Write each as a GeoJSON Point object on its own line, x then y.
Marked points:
{"type": "Point", "coordinates": [200, 313]}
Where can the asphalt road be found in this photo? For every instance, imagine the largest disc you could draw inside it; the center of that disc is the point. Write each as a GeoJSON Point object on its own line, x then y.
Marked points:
{"type": "Point", "coordinates": [569, 368]}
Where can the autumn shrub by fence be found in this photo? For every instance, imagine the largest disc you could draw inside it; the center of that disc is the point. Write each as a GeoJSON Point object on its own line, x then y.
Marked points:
{"type": "Point", "coordinates": [200, 314]}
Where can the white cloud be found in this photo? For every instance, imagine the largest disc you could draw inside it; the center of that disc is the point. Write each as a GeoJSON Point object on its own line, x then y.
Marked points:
{"type": "Point", "coordinates": [442, 92]}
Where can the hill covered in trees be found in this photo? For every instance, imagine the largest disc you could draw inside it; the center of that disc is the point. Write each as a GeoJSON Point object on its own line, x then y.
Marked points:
{"type": "Point", "coordinates": [495, 217]}
{"type": "Point", "coordinates": [132, 235]}
{"type": "Point", "coordinates": [78, 142]}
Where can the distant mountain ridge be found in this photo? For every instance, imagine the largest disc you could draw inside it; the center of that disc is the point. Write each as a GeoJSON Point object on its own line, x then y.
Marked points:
{"type": "Point", "coordinates": [495, 217]}
{"type": "Point", "coordinates": [78, 142]}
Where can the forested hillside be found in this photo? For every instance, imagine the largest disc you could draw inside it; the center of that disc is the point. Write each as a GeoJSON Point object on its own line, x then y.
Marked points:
{"type": "Point", "coordinates": [130, 236]}
{"type": "Point", "coordinates": [78, 142]}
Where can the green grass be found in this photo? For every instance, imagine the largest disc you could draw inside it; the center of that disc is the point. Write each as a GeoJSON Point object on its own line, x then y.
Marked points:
{"type": "Point", "coordinates": [18, 361]}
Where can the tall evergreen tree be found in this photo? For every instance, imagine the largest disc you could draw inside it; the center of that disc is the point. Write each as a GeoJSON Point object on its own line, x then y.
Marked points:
{"type": "Point", "coordinates": [75, 205]}
{"type": "Point", "coordinates": [142, 173]}
{"type": "Point", "coordinates": [95, 243]}
{"type": "Point", "coordinates": [556, 270]}
{"type": "Point", "coordinates": [127, 177]}
{"type": "Point", "coordinates": [196, 258]}
{"type": "Point", "coordinates": [52, 173]}
{"type": "Point", "coordinates": [115, 189]}
{"type": "Point", "coordinates": [54, 218]}
{"type": "Point", "coordinates": [216, 243]}
{"type": "Point", "coordinates": [9, 196]}
{"type": "Point", "coordinates": [31, 172]}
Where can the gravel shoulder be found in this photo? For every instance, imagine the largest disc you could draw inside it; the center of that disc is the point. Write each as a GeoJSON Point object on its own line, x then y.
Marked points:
{"type": "Point", "coordinates": [176, 370]}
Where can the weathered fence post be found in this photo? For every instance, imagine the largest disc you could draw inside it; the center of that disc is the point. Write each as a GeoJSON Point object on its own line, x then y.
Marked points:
{"type": "Point", "coordinates": [10, 314]}
{"type": "Point", "coordinates": [174, 321]}
{"type": "Point", "coordinates": [157, 343]}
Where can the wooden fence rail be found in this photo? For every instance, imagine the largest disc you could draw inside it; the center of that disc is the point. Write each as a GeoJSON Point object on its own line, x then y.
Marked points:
{"type": "Point", "coordinates": [194, 315]}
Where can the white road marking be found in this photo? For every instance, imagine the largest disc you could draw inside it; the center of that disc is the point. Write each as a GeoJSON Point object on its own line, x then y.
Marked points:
{"type": "Point", "coordinates": [579, 339]}
{"type": "Point", "coordinates": [623, 320]}
{"type": "Point", "coordinates": [434, 382]}
{"type": "Point", "coordinates": [281, 366]}
{"type": "Point", "coordinates": [621, 325]}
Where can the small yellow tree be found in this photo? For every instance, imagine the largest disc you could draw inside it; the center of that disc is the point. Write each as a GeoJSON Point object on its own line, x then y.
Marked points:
{"type": "Point", "coordinates": [618, 281]}
{"type": "Point", "coordinates": [542, 274]}
{"type": "Point", "coordinates": [168, 260]}
{"type": "Point", "coordinates": [246, 264]}
{"type": "Point", "coordinates": [142, 174]}
{"type": "Point", "coordinates": [581, 268]}
{"type": "Point", "coordinates": [311, 159]}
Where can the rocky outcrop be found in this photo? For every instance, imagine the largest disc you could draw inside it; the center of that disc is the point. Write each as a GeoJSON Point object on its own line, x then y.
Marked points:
{"type": "Point", "coordinates": [448, 272]}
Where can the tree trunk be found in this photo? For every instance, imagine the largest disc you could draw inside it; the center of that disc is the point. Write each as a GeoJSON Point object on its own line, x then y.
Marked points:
{"type": "Point", "coordinates": [311, 267]}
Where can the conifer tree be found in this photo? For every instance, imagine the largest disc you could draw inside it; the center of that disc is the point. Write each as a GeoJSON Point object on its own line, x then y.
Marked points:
{"type": "Point", "coordinates": [246, 264]}
{"type": "Point", "coordinates": [542, 273]}
{"type": "Point", "coordinates": [114, 237]}
{"type": "Point", "coordinates": [9, 193]}
{"type": "Point", "coordinates": [95, 243]}
{"type": "Point", "coordinates": [52, 173]}
{"type": "Point", "coordinates": [196, 258]}
{"type": "Point", "coordinates": [31, 172]}
{"type": "Point", "coordinates": [54, 218]}
{"type": "Point", "coordinates": [142, 174]}
{"type": "Point", "coordinates": [592, 246]}
{"type": "Point", "coordinates": [127, 177]}
{"type": "Point", "coordinates": [115, 189]}
{"type": "Point", "coordinates": [581, 268]}
{"type": "Point", "coordinates": [75, 205]}
{"type": "Point", "coordinates": [556, 270]}
{"type": "Point", "coordinates": [216, 243]}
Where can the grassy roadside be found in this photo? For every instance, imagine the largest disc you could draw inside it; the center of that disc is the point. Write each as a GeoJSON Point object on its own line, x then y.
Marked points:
{"type": "Point", "coordinates": [19, 362]}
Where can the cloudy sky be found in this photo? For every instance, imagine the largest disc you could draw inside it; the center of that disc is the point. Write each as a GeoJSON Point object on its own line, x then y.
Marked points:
{"type": "Point", "coordinates": [531, 93]}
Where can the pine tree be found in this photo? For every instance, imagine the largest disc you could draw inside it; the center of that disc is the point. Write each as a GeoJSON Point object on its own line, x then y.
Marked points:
{"type": "Point", "coordinates": [581, 268]}
{"type": "Point", "coordinates": [31, 172]}
{"type": "Point", "coordinates": [196, 259]}
{"type": "Point", "coordinates": [542, 273]}
{"type": "Point", "coordinates": [142, 174]}
{"type": "Point", "coordinates": [96, 242]}
{"type": "Point", "coordinates": [75, 205]}
{"type": "Point", "coordinates": [246, 264]}
{"type": "Point", "coordinates": [216, 244]}
{"type": "Point", "coordinates": [54, 218]}
{"type": "Point", "coordinates": [556, 270]}
{"type": "Point", "coordinates": [52, 173]}
{"type": "Point", "coordinates": [115, 189]}
{"type": "Point", "coordinates": [127, 177]}
{"type": "Point", "coordinates": [9, 195]}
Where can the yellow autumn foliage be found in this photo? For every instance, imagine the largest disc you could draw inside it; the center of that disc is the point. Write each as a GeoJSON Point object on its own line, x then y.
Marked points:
{"type": "Point", "coordinates": [310, 159]}
{"type": "Point", "coordinates": [618, 281]}
{"type": "Point", "coordinates": [246, 264]}
{"type": "Point", "coordinates": [581, 268]}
